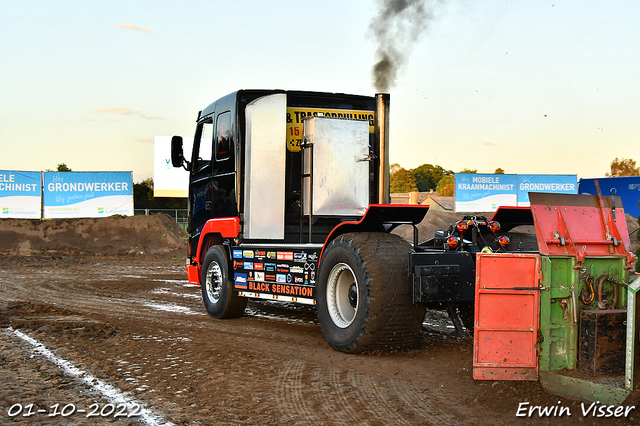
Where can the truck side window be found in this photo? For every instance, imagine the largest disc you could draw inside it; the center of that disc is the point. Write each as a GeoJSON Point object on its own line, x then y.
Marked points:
{"type": "Point", "coordinates": [205, 146]}
{"type": "Point", "coordinates": [224, 137]}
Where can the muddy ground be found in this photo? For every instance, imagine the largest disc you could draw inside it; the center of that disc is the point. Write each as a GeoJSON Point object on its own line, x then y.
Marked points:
{"type": "Point", "coordinates": [130, 320]}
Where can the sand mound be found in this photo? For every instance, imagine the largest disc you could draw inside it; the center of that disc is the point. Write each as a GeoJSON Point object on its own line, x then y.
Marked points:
{"type": "Point", "coordinates": [156, 235]}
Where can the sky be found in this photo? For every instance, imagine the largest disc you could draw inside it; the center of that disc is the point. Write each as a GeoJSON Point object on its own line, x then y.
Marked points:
{"type": "Point", "coordinates": [532, 87]}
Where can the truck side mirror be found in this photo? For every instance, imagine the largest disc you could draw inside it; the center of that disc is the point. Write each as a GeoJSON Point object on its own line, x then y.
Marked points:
{"type": "Point", "coordinates": [177, 154]}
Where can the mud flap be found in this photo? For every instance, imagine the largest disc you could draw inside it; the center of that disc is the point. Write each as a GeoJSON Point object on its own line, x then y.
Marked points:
{"type": "Point", "coordinates": [193, 274]}
{"type": "Point", "coordinates": [441, 277]}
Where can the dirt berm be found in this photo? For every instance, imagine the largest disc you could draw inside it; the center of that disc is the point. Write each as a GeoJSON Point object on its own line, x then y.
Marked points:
{"type": "Point", "coordinates": [155, 235]}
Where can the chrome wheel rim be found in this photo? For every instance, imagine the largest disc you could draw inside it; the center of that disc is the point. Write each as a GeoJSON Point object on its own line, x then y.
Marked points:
{"type": "Point", "coordinates": [213, 282]}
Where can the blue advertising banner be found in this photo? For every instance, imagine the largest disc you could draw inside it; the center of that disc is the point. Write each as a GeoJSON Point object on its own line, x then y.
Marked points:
{"type": "Point", "coordinates": [625, 187]}
{"type": "Point", "coordinates": [484, 193]}
{"type": "Point", "coordinates": [20, 195]}
{"type": "Point", "coordinates": [87, 194]}
{"type": "Point", "coordinates": [564, 184]}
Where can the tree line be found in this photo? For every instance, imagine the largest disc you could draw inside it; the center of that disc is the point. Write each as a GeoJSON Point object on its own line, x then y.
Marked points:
{"type": "Point", "coordinates": [434, 178]}
{"type": "Point", "coordinates": [424, 178]}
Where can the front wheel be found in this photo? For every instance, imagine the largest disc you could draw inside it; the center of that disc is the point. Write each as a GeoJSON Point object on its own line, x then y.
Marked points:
{"type": "Point", "coordinates": [363, 293]}
{"type": "Point", "coordinates": [219, 298]}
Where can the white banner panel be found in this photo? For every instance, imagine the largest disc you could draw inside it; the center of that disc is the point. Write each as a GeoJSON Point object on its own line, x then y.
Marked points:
{"type": "Point", "coordinates": [87, 194]}
{"type": "Point", "coordinates": [20, 195]}
{"type": "Point", "coordinates": [484, 193]}
{"type": "Point", "coordinates": [169, 181]}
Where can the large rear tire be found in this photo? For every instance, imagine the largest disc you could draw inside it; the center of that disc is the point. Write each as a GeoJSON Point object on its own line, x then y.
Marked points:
{"type": "Point", "coordinates": [219, 298]}
{"type": "Point", "coordinates": [363, 294]}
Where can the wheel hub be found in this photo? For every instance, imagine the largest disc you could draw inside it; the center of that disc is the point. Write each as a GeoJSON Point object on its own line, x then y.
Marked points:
{"type": "Point", "coordinates": [213, 282]}
{"type": "Point", "coordinates": [353, 295]}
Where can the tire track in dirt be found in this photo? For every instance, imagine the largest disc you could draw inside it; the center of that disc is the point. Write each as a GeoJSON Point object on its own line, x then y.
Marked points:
{"type": "Point", "coordinates": [341, 395]}
{"type": "Point", "coordinates": [324, 395]}
{"type": "Point", "coordinates": [53, 290]}
{"type": "Point", "coordinates": [290, 392]}
{"type": "Point", "coordinates": [423, 405]}
{"type": "Point", "coordinates": [338, 385]}
{"type": "Point", "coordinates": [375, 399]}
{"type": "Point", "coordinates": [328, 390]}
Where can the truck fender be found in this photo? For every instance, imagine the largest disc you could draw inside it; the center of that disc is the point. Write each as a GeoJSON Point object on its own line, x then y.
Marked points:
{"type": "Point", "coordinates": [213, 233]}
{"type": "Point", "coordinates": [380, 218]}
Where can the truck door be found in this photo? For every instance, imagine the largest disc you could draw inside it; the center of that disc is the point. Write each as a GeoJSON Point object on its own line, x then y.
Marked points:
{"type": "Point", "coordinates": [223, 188]}
{"type": "Point", "coordinates": [200, 186]}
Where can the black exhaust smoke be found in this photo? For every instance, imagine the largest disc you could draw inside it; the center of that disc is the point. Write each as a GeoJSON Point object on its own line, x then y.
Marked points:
{"type": "Point", "coordinates": [397, 26]}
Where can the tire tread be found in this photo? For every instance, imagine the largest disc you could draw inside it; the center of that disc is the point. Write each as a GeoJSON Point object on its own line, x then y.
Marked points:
{"type": "Point", "coordinates": [391, 321]}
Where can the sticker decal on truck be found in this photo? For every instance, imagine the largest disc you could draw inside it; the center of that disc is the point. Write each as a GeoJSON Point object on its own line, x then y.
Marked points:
{"type": "Point", "coordinates": [293, 275]}
{"type": "Point", "coordinates": [295, 125]}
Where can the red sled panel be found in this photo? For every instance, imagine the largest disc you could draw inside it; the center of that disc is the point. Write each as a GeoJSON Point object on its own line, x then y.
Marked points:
{"type": "Point", "coordinates": [580, 225]}
{"type": "Point", "coordinates": [506, 316]}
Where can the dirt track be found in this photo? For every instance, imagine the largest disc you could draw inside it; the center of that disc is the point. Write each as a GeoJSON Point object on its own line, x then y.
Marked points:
{"type": "Point", "coordinates": [134, 323]}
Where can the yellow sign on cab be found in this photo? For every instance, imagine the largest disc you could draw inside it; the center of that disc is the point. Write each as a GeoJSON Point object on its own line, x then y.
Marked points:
{"type": "Point", "coordinates": [295, 125]}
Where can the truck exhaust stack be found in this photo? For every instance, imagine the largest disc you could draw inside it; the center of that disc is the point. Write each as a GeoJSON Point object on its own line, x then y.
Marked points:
{"type": "Point", "coordinates": [382, 144]}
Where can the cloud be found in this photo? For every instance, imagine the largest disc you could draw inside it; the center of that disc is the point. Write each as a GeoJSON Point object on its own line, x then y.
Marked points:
{"type": "Point", "coordinates": [144, 140]}
{"type": "Point", "coordinates": [93, 120]}
{"type": "Point", "coordinates": [126, 111]}
{"type": "Point", "coordinates": [118, 110]}
{"type": "Point", "coordinates": [134, 28]}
